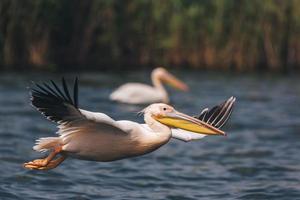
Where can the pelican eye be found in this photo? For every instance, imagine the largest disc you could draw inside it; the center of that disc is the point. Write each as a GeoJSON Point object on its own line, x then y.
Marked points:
{"type": "Point", "coordinates": [164, 108]}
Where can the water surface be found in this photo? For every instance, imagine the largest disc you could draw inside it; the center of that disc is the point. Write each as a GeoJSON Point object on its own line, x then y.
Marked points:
{"type": "Point", "coordinates": [259, 159]}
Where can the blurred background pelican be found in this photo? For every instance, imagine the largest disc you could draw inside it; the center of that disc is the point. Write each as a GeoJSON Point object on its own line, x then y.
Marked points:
{"type": "Point", "coordinates": [138, 93]}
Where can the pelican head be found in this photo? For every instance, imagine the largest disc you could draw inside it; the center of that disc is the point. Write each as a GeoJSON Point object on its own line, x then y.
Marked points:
{"type": "Point", "coordinates": [168, 116]}
{"type": "Point", "coordinates": [161, 74]}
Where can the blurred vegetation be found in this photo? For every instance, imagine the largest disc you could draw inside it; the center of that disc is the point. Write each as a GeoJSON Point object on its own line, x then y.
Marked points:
{"type": "Point", "coordinates": [241, 35]}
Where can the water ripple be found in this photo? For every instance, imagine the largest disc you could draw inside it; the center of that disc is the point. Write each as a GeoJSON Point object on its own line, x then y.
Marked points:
{"type": "Point", "coordinates": [259, 159]}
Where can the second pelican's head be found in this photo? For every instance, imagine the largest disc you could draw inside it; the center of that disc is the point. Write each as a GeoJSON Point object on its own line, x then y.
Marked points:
{"type": "Point", "coordinates": [168, 116]}
{"type": "Point", "coordinates": [163, 75]}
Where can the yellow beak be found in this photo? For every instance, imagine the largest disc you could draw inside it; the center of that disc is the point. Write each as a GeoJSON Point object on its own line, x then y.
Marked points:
{"type": "Point", "coordinates": [185, 122]}
{"type": "Point", "coordinates": [174, 82]}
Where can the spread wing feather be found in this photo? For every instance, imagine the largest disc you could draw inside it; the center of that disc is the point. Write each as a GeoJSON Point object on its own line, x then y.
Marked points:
{"type": "Point", "coordinates": [57, 105]}
{"type": "Point", "coordinates": [218, 115]}
{"type": "Point", "coordinates": [54, 103]}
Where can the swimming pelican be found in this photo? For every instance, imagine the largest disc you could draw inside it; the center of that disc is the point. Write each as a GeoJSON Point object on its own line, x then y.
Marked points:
{"type": "Point", "coordinates": [95, 136]}
{"type": "Point", "coordinates": [138, 93]}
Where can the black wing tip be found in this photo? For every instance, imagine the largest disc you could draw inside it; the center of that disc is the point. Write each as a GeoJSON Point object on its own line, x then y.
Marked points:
{"type": "Point", "coordinates": [230, 100]}
{"type": "Point", "coordinates": [62, 94]}
{"type": "Point", "coordinates": [218, 115]}
{"type": "Point", "coordinates": [227, 111]}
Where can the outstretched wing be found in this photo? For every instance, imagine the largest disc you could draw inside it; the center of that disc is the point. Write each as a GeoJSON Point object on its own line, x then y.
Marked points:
{"type": "Point", "coordinates": [218, 115]}
{"type": "Point", "coordinates": [55, 104]}
{"type": "Point", "coordinates": [60, 106]}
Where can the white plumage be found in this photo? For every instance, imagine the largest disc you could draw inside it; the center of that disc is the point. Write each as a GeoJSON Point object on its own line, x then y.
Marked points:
{"type": "Point", "coordinates": [95, 136]}
{"type": "Point", "coordinates": [138, 93]}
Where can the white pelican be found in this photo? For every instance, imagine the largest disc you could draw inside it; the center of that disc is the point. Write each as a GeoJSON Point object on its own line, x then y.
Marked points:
{"type": "Point", "coordinates": [138, 93]}
{"type": "Point", "coordinates": [95, 136]}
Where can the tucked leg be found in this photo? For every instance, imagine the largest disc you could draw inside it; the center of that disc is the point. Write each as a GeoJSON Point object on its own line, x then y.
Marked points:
{"type": "Point", "coordinates": [51, 165]}
{"type": "Point", "coordinates": [38, 163]}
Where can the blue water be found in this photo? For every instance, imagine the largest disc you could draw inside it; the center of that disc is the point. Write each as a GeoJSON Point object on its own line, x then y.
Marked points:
{"type": "Point", "coordinates": [259, 159]}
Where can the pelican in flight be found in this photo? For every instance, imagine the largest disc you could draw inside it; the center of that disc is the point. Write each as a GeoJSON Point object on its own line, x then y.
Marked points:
{"type": "Point", "coordinates": [97, 137]}
{"type": "Point", "coordinates": [138, 93]}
